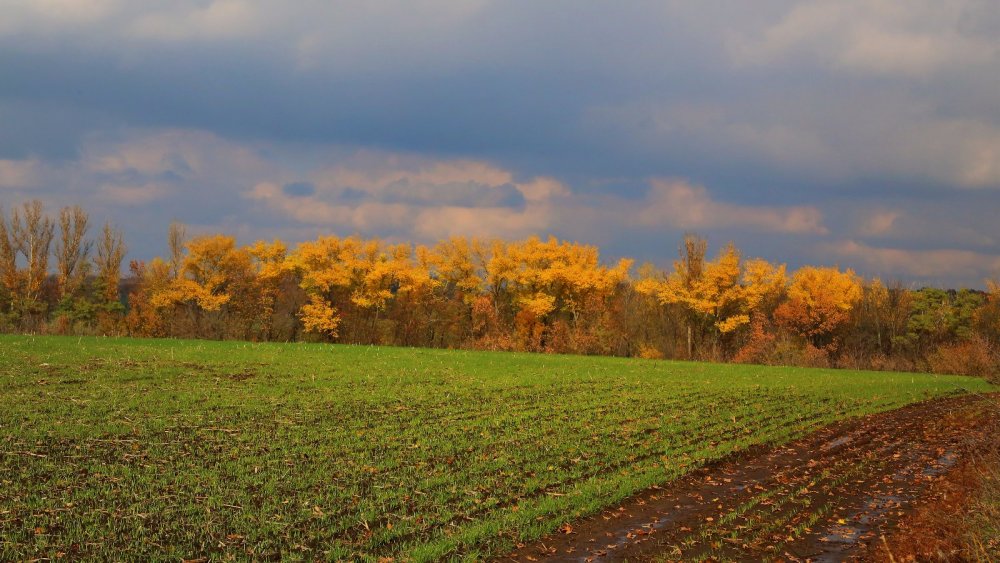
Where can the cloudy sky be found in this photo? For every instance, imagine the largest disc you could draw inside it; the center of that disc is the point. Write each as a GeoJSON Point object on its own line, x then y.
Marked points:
{"type": "Point", "coordinates": [864, 133]}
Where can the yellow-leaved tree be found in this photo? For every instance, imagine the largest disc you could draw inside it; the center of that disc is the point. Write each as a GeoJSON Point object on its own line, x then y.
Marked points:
{"type": "Point", "coordinates": [540, 280]}
{"type": "Point", "coordinates": [214, 273]}
{"type": "Point", "coordinates": [453, 263]}
{"type": "Point", "coordinates": [819, 304]}
{"type": "Point", "coordinates": [350, 272]}
{"type": "Point", "coordinates": [272, 270]}
{"type": "Point", "coordinates": [151, 298]}
{"type": "Point", "coordinates": [718, 297]}
{"type": "Point", "coordinates": [214, 270]}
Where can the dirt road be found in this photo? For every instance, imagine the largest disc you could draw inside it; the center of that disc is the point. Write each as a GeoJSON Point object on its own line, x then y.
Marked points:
{"type": "Point", "coordinates": [827, 497]}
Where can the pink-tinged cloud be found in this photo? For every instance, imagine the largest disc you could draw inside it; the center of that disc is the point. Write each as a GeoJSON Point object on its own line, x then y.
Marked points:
{"type": "Point", "coordinates": [926, 264]}
{"type": "Point", "coordinates": [499, 222]}
{"type": "Point", "coordinates": [878, 223]}
{"type": "Point", "coordinates": [885, 37]}
{"type": "Point", "coordinates": [547, 203]}
{"type": "Point", "coordinates": [681, 205]}
{"type": "Point", "coordinates": [304, 209]}
{"type": "Point", "coordinates": [179, 151]}
{"type": "Point", "coordinates": [18, 174]}
{"type": "Point", "coordinates": [429, 198]}
{"type": "Point", "coordinates": [132, 195]}
{"type": "Point", "coordinates": [545, 199]}
{"type": "Point", "coordinates": [373, 171]}
{"type": "Point", "coordinates": [218, 20]}
{"type": "Point", "coordinates": [543, 189]}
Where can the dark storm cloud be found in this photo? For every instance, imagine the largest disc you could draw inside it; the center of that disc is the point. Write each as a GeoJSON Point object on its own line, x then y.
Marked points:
{"type": "Point", "coordinates": [872, 124]}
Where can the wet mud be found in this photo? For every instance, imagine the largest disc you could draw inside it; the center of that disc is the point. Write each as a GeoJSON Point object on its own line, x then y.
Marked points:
{"type": "Point", "coordinates": [830, 496]}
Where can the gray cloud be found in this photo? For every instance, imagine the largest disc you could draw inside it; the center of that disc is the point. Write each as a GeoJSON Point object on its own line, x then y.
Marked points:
{"type": "Point", "coordinates": [869, 121]}
{"type": "Point", "coordinates": [465, 194]}
{"type": "Point", "coordinates": [299, 189]}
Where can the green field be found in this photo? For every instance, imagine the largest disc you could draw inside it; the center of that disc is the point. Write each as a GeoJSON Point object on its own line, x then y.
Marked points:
{"type": "Point", "coordinates": [167, 449]}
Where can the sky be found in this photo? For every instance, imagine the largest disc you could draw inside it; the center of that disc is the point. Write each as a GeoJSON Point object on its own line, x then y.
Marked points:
{"type": "Point", "coordinates": [858, 133]}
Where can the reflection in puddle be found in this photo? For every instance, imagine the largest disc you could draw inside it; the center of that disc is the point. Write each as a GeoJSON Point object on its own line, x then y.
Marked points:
{"type": "Point", "coordinates": [837, 442]}
{"type": "Point", "coordinates": [861, 524]}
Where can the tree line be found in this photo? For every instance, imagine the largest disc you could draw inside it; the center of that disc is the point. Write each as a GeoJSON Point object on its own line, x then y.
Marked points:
{"type": "Point", "coordinates": [529, 295]}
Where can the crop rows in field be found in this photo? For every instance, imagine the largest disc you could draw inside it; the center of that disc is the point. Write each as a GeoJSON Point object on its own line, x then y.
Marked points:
{"type": "Point", "coordinates": [180, 449]}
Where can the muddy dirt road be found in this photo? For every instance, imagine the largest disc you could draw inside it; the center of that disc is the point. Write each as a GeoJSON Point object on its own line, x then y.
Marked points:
{"type": "Point", "coordinates": [827, 497]}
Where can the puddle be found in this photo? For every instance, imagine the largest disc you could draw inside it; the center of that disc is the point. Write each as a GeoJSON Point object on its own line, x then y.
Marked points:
{"type": "Point", "coordinates": [837, 442]}
{"type": "Point", "coordinates": [942, 465]}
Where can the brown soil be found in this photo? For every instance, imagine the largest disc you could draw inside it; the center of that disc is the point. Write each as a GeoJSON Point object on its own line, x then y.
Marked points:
{"type": "Point", "coordinates": [946, 523]}
{"type": "Point", "coordinates": [830, 496]}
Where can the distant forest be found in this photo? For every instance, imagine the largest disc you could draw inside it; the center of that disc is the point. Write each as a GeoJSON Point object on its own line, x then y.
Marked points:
{"type": "Point", "coordinates": [529, 295]}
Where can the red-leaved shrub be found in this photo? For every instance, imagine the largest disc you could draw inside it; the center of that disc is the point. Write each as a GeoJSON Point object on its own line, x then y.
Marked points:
{"type": "Point", "coordinates": [974, 356]}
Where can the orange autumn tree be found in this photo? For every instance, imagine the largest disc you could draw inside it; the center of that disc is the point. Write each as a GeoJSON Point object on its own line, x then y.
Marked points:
{"type": "Point", "coordinates": [213, 283]}
{"type": "Point", "coordinates": [987, 318]}
{"type": "Point", "coordinates": [363, 275]}
{"type": "Point", "coordinates": [457, 311]}
{"type": "Point", "coordinates": [819, 304]}
{"type": "Point", "coordinates": [718, 294]}
{"type": "Point", "coordinates": [541, 280]}
{"type": "Point", "coordinates": [676, 288]}
{"type": "Point", "coordinates": [530, 294]}
{"type": "Point", "coordinates": [152, 300]}
{"type": "Point", "coordinates": [220, 278]}
{"type": "Point", "coordinates": [322, 266]}
{"type": "Point", "coordinates": [271, 271]}
{"type": "Point", "coordinates": [9, 275]}
{"type": "Point", "coordinates": [718, 297]}
{"type": "Point", "coordinates": [213, 271]}
{"type": "Point", "coordinates": [27, 238]}
{"type": "Point", "coordinates": [764, 285]}
{"type": "Point", "coordinates": [453, 263]}
{"type": "Point", "coordinates": [399, 285]}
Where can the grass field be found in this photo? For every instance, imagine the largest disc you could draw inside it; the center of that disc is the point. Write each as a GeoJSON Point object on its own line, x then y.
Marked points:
{"type": "Point", "coordinates": [166, 449]}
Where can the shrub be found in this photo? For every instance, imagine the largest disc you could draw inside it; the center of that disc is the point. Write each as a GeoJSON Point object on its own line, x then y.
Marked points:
{"type": "Point", "coordinates": [974, 356]}
{"type": "Point", "coordinates": [759, 347]}
{"type": "Point", "coordinates": [791, 352]}
{"type": "Point", "coordinates": [881, 362]}
{"type": "Point", "coordinates": [649, 352]}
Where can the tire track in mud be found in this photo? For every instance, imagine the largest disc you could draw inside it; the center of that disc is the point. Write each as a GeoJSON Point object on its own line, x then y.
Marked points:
{"type": "Point", "coordinates": [825, 497]}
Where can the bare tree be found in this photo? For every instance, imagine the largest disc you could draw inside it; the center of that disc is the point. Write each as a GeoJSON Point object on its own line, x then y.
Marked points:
{"type": "Point", "coordinates": [176, 238]}
{"type": "Point", "coordinates": [692, 255]}
{"type": "Point", "coordinates": [8, 257]}
{"type": "Point", "coordinates": [108, 261]}
{"type": "Point", "coordinates": [72, 250]}
{"type": "Point", "coordinates": [33, 235]}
